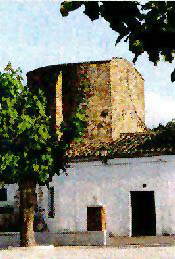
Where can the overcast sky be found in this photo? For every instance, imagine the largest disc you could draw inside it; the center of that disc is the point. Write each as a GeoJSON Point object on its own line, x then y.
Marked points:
{"type": "Point", "coordinates": [34, 34]}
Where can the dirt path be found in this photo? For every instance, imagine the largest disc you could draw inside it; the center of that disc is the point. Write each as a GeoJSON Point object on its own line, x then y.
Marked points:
{"type": "Point", "coordinates": [89, 253]}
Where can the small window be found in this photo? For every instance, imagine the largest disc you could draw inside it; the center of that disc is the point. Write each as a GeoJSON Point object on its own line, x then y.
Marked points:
{"type": "Point", "coordinates": [51, 206]}
{"type": "Point", "coordinates": [6, 210]}
{"type": "Point", "coordinates": [96, 219]}
{"type": "Point", "coordinates": [104, 113]}
{"type": "Point", "coordinates": [99, 126]}
{"type": "Point", "coordinates": [3, 194]}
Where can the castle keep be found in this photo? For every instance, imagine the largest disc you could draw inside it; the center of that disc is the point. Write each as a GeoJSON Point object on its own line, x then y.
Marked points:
{"type": "Point", "coordinates": [113, 96]}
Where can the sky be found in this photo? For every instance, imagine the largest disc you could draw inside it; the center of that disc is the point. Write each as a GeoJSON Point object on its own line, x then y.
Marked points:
{"type": "Point", "coordinates": [33, 34]}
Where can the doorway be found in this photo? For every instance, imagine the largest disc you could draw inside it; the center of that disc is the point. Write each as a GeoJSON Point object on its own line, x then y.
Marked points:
{"type": "Point", "coordinates": [143, 213]}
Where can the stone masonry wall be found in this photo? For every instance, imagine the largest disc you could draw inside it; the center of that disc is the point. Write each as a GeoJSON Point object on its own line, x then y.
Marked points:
{"type": "Point", "coordinates": [99, 104]}
{"type": "Point", "coordinates": [127, 95]}
{"type": "Point", "coordinates": [97, 101]}
{"type": "Point", "coordinates": [114, 96]}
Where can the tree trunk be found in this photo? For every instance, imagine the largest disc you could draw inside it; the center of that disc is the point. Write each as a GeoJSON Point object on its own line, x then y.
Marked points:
{"type": "Point", "coordinates": [28, 202]}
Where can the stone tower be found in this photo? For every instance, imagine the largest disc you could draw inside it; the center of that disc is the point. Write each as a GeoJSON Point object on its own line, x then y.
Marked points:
{"type": "Point", "coordinates": [114, 95]}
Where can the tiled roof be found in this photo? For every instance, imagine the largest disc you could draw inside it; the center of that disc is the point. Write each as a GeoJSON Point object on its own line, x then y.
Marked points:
{"type": "Point", "coordinates": [128, 145]}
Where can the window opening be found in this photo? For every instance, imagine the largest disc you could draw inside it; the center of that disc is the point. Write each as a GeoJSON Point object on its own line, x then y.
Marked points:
{"type": "Point", "coordinates": [96, 219]}
{"type": "Point", "coordinates": [3, 194]}
{"type": "Point", "coordinates": [51, 206]}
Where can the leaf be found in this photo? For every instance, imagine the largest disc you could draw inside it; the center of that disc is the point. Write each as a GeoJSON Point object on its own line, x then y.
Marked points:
{"type": "Point", "coordinates": [36, 167]}
{"type": "Point", "coordinates": [173, 76]}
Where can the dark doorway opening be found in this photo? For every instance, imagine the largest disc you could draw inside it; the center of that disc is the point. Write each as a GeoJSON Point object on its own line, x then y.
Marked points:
{"type": "Point", "coordinates": [143, 213]}
{"type": "Point", "coordinates": [96, 218]}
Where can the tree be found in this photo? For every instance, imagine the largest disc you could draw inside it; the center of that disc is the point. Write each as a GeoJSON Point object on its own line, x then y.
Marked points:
{"type": "Point", "coordinates": [30, 151]}
{"type": "Point", "coordinates": [148, 28]}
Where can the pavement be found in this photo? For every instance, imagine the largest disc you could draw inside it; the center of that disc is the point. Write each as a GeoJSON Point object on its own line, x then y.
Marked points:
{"type": "Point", "coordinates": [67, 252]}
{"type": "Point", "coordinates": [142, 241]}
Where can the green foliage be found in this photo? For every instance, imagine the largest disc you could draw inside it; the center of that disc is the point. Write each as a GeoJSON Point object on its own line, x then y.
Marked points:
{"type": "Point", "coordinates": [162, 137]}
{"type": "Point", "coordinates": [149, 27]}
{"type": "Point", "coordinates": [29, 147]}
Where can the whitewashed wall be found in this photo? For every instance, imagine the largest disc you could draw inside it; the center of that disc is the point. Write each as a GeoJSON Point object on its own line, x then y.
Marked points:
{"type": "Point", "coordinates": [11, 192]}
{"type": "Point", "coordinates": [92, 183]}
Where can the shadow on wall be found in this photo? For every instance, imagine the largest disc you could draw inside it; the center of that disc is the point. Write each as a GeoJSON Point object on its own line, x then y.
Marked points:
{"type": "Point", "coordinates": [10, 220]}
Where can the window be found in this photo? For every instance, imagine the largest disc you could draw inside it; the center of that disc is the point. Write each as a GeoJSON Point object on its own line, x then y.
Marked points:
{"type": "Point", "coordinates": [104, 113]}
{"type": "Point", "coordinates": [51, 207]}
{"type": "Point", "coordinates": [6, 210]}
{"type": "Point", "coordinates": [3, 194]}
{"type": "Point", "coordinates": [96, 219]}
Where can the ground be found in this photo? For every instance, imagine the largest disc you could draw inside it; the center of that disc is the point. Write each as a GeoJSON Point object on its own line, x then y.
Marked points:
{"type": "Point", "coordinates": [89, 253]}
{"type": "Point", "coordinates": [121, 247]}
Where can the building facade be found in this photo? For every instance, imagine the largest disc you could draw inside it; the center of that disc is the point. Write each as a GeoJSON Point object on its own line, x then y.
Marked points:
{"type": "Point", "coordinates": [136, 197]}
{"type": "Point", "coordinates": [99, 201]}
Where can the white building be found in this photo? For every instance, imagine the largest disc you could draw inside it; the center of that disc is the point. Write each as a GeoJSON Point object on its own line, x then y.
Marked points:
{"type": "Point", "coordinates": [125, 197]}
{"type": "Point", "coordinates": [137, 194]}
{"type": "Point", "coordinates": [103, 198]}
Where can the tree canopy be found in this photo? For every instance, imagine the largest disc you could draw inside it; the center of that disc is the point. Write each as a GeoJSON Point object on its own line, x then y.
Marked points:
{"type": "Point", "coordinates": [31, 152]}
{"type": "Point", "coordinates": [28, 145]}
{"type": "Point", "coordinates": [148, 27]}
